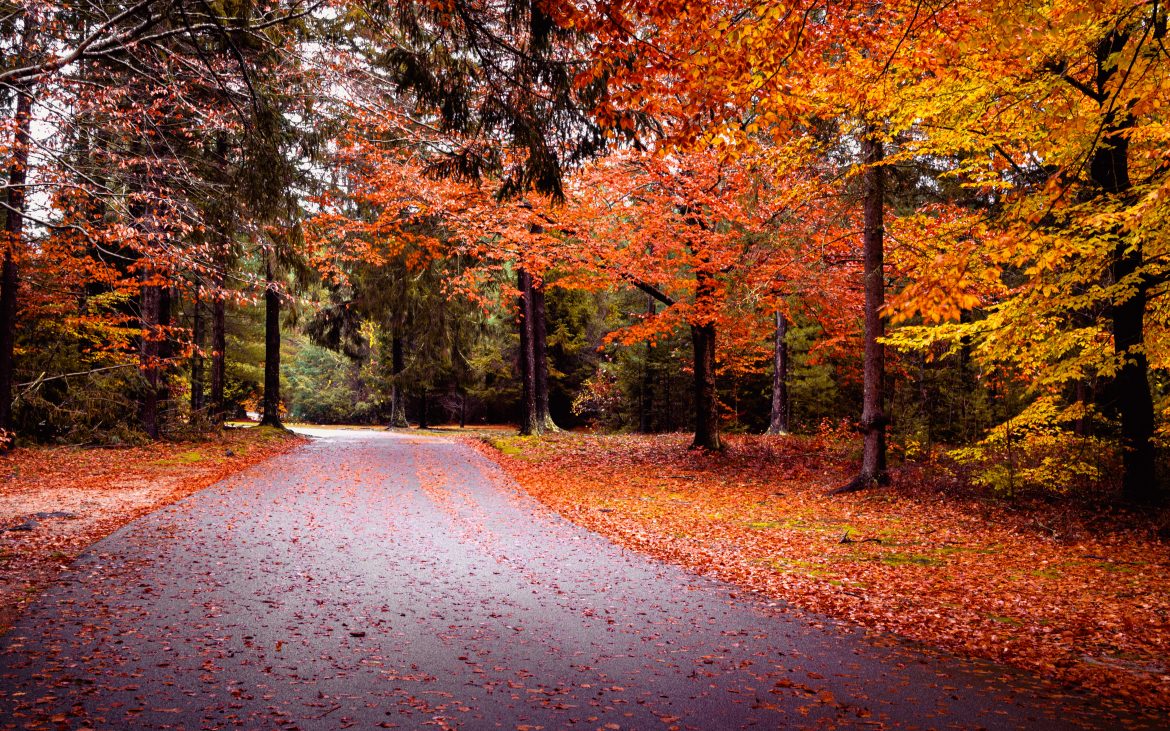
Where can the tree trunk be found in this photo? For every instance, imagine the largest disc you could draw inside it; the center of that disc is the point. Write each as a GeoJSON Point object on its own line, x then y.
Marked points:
{"type": "Point", "coordinates": [148, 352]}
{"type": "Point", "coordinates": [706, 397]}
{"type": "Point", "coordinates": [14, 233]}
{"type": "Point", "coordinates": [218, 407]}
{"type": "Point", "coordinates": [424, 421]}
{"type": "Point", "coordinates": [462, 409]}
{"type": "Point", "coordinates": [271, 349]}
{"type": "Point", "coordinates": [9, 281]}
{"type": "Point", "coordinates": [166, 350]}
{"type": "Point", "coordinates": [706, 392]}
{"type": "Point", "coordinates": [397, 366]}
{"type": "Point", "coordinates": [779, 421]}
{"type": "Point", "coordinates": [873, 418]}
{"type": "Point", "coordinates": [1131, 386]}
{"type": "Point", "coordinates": [197, 337]}
{"type": "Point", "coordinates": [530, 422]}
{"type": "Point", "coordinates": [540, 357]}
{"type": "Point", "coordinates": [646, 397]}
{"type": "Point", "coordinates": [1083, 396]}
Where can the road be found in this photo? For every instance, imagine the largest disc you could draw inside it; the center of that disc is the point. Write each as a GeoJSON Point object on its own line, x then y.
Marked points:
{"type": "Point", "coordinates": [375, 579]}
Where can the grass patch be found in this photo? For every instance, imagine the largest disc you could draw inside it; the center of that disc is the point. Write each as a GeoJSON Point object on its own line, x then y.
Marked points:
{"type": "Point", "coordinates": [965, 550]}
{"type": "Point", "coordinates": [764, 525]}
{"type": "Point", "coordinates": [193, 456]}
{"type": "Point", "coordinates": [796, 566]}
{"type": "Point", "coordinates": [908, 559]}
{"type": "Point", "coordinates": [1115, 568]}
{"type": "Point", "coordinates": [514, 446]}
{"type": "Point", "coordinates": [813, 525]}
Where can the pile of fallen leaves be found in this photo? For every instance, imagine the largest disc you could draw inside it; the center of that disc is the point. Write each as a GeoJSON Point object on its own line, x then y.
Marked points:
{"type": "Point", "coordinates": [56, 501]}
{"type": "Point", "coordinates": [1085, 598]}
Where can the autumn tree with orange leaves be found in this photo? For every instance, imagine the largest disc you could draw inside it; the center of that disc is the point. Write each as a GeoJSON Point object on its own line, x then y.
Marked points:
{"type": "Point", "coordinates": [710, 240]}
{"type": "Point", "coordinates": [124, 120]}
{"type": "Point", "coordinates": [974, 189]}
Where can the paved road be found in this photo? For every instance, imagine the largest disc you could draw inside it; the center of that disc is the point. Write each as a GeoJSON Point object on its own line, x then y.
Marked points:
{"type": "Point", "coordinates": [377, 580]}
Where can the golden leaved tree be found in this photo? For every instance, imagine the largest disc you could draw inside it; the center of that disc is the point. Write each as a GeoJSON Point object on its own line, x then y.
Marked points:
{"type": "Point", "coordinates": [1055, 115]}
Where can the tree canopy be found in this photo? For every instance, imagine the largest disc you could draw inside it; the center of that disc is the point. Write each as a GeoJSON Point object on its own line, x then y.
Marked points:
{"type": "Point", "coordinates": [942, 223]}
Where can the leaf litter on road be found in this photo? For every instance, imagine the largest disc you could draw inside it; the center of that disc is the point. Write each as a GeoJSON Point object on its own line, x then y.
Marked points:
{"type": "Point", "coordinates": [57, 501]}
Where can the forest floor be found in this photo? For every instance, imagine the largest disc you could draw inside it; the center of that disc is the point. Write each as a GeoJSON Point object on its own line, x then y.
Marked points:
{"type": "Point", "coordinates": [1079, 595]}
{"type": "Point", "coordinates": [57, 501]}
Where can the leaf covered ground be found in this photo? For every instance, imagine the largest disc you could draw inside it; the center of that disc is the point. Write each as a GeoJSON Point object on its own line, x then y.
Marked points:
{"type": "Point", "coordinates": [1080, 596]}
{"type": "Point", "coordinates": [56, 501]}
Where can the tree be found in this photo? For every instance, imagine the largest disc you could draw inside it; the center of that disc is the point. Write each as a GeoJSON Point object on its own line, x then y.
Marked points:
{"type": "Point", "coordinates": [1064, 144]}
{"type": "Point", "coordinates": [14, 210]}
{"type": "Point", "coordinates": [271, 409]}
{"type": "Point", "coordinates": [704, 237]}
{"type": "Point", "coordinates": [873, 418]}
{"type": "Point", "coordinates": [124, 128]}
{"type": "Point", "coordinates": [778, 422]}
{"type": "Point", "coordinates": [530, 417]}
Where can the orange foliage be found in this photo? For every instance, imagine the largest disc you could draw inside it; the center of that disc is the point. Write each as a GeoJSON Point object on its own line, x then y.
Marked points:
{"type": "Point", "coordinates": [722, 239]}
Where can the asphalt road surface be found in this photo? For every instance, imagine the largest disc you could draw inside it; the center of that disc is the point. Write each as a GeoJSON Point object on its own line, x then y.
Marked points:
{"type": "Point", "coordinates": [380, 580]}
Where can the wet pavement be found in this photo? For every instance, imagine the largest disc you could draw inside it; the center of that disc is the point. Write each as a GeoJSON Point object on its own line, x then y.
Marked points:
{"type": "Point", "coordinates": [377, 579]}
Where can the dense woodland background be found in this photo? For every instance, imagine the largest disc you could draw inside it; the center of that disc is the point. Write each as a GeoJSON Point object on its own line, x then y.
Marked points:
{"type": "Point", "coordinates": [938, 230]}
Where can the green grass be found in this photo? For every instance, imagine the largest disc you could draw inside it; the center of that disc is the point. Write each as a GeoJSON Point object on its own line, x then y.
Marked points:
{"type": "Point", "coordinates": [514, 446]}
{"type": "Point", "coordinates": [796, 566]}
{"type": "Point", "coordinates": [764, 524]}
{"type": "Point", "coordinates": [1114, 568]}
{"type": "Point", "coordinates": [803, 522]}
{"type": "Point", "coordinates": [952, 550]}
{"type": "Point", "coordinates": [189, 457]}
{"type": "Point", "coordinates": [909, 559]}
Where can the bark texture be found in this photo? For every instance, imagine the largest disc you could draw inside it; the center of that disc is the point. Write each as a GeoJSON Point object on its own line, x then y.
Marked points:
{"type": "Point", "coordinates": [778, 424]}
{"type": "Point", "coordinates": [424, 409]}
{"type": "Point", "coordinates": [706, 397]}
{"type": "Point", "coordinates": [271, 350]}
{"type": "Point", "coordinates": [198, 400]}
{"type": "Point", "coordinates": [705, 388]}
{"type": "Point", "coordinates": [149, 355]}
{"type": "Point", "coordinates": [13, 240]}
{"type": "Point", "coordinates": [397, 366]}
{"type": "Point", "coordinates": [217, 409]}
{"type": "Point", "coordinates": [530, 421]}
{"type": "Point", "coordinates": [540, 357]}
{"type": "Point", "coordinates": [1131, 386]}
{"type": "Point", "coordinates": [646, 394]}
{"type": "Point", "coordinates": [873, 418]}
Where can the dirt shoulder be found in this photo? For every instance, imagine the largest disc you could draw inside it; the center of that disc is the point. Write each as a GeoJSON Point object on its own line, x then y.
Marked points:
{"type": "Point", "coordinates": [1081, 597]}
{"type": "Point", "coordinates": [57, 501]}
